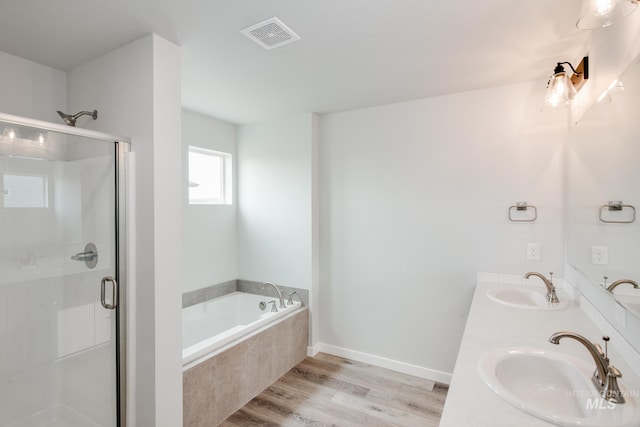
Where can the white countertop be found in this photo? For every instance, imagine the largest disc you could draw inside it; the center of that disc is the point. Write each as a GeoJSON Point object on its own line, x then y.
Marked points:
{"type": "Point", "coordinates": [491, 326]}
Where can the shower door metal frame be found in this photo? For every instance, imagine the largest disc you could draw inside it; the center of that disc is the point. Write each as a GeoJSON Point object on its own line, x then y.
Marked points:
{"type": "Point", "coordinates": [122, 145]}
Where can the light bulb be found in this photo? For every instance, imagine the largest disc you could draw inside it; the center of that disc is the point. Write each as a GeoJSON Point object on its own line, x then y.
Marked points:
{"type": "Point", "coordinates": [11, 134]}
{"type": "Point", "coordinates": [40, 139]}
{"type": "Point", "coordinates": [603, 7]}
{"type": "Point", "coordinates": [559, 92]}
{"type": "Point", "coordinates": [603, 13]}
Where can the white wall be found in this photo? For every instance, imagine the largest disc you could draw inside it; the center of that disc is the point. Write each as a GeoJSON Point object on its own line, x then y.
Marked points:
{"type": "Point", "coordinates": [275, 201]}
{"type": "Point", "coordinates": [210, 250]}
{"type": "Point", "coordinates": [31, 90]}
{"type": "Point", "coordinates": [414, 200]}
{"type": "Point", "coordinates": [136, 90]}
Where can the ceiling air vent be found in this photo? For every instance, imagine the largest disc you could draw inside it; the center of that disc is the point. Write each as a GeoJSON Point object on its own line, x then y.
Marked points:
{"type": "Point", "coordinates": [271, 34]}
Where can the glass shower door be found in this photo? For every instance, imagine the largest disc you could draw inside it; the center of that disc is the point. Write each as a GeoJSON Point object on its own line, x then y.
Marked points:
{"type": "Point", "coordinates": [58, 279]}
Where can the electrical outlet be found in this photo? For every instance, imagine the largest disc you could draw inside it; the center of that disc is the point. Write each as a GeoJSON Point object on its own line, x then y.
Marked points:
{"type": "Point", "coordinates": [533, 251]}
{"type": "Point", "coordinates": [599, 255]}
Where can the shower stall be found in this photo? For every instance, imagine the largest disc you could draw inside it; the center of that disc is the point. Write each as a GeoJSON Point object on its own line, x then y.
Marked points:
{"type": "Point", "coordinates": [62, 275]}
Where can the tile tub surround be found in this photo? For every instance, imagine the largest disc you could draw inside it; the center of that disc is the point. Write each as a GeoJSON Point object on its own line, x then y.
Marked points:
{"type": "Point", "coordinates": [250, 286]}
{"type": "Point", "coordinates": [210, 292]}
{"type": "Point", "coordinates": [219, 386]}
{"type": "Point", "coordinates": [491, 326]}
{"type": "Point", "coordinates": [254, 287]}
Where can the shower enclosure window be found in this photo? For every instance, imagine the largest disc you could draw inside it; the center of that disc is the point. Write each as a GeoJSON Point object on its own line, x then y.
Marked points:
{"type": "Point", "coordinates": [61, 276]}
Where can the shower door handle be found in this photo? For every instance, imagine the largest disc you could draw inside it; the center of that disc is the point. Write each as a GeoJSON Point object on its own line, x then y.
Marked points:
{"type": "Point", "coordinates": [114, 293]}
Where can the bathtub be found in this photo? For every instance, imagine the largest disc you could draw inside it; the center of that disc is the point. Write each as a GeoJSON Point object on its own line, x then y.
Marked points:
{"type": "Point", "coordinates": [214, 325]}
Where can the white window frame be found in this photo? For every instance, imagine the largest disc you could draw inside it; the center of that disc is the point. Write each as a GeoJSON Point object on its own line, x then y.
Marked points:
{"type": "Point", "coordinates": [225, 179]}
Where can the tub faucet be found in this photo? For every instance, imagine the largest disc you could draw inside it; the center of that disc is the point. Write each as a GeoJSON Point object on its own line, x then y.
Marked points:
{"type": "Point", "coordinates": [551, 290]}
{"type": "Point", "coordinates": [605, 378]}
{"type": "Point", "coordinates": [273, 306]}
{"type": "Point", "coordinates": [280, 297]}
{"type": "Point", "coordinates": [620, 282]}
{"type": "Point", "coordinates": [290, 300]}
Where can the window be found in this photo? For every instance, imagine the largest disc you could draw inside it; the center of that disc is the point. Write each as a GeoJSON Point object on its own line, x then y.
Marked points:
{"type": "Point", "coordinates": [24, 191]}
{"type": "Point", "coordinates": [209, 177]}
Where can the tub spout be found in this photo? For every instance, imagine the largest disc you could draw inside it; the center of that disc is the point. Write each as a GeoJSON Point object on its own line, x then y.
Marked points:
{"type": "Point", "coordinates": [278, 291]}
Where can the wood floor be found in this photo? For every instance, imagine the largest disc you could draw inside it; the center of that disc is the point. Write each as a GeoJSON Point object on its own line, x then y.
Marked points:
{"type": "Point", "coordinates": [332, 391]}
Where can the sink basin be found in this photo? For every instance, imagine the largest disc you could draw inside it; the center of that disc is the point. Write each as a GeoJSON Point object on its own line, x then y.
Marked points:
{"type": "Point", "coordinates": [526, 298]}
{"type": "Point", "coordinates": [555, 388]}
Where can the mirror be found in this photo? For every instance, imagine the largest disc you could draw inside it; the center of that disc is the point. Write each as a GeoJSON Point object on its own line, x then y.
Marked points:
{"type": "Point", "coordinates": [603, 153]}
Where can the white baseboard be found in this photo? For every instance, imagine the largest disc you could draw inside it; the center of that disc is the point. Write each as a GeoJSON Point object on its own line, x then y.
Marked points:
{"type": "Point", "coordinates": [382, 362]}
{"type": "Point", "coordinates": [313, 350]}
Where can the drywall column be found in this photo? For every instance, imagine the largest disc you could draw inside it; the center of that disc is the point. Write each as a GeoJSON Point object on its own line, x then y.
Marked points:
{"type": "Point", "coordinates": [136, 90]}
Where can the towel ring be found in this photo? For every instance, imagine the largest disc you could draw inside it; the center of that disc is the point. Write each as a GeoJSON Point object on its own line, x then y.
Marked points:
{"type": "Point", "coordinates": [522, 206]}
{"type": "Point", "coordinates": [616, 206]}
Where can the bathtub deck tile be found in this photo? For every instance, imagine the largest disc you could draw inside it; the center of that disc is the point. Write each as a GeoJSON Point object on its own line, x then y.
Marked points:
{"type": "Point", "coordinates": [333, 391]}
{"type": "Point", "coordinates": [214, 389]}
{"type": "Point", "coordinates": [231, 365]}
{"type": "Point", "coordinates": [198, 383]}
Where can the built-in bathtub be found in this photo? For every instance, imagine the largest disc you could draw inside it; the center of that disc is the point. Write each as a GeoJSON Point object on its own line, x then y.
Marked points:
{"type": "Point", "coordinates": [233, 350]}
{"type": "Point", "coordinates": [210, 326]}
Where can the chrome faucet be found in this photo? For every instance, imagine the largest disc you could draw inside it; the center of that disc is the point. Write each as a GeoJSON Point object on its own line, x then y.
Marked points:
{"type": "Point", "coordinates": [605, 378]}
{"type": "Point", "coordinates": [620, 282]}
{"type": "Point", "coordinates": [290, 300]}
{"type": "Point", "coordinates": [551, 290]}
{"type": "Point", "coordinates": [280, 297]}
{"type": "Point", "coordinates": [273, 306]}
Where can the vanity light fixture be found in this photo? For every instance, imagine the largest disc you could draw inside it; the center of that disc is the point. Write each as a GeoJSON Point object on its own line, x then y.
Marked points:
{"type": "Point", "coordinates": [24, 137]}
{"type": "Point", "coordinates": [602, 13]}
{"type": "Point", "coordinates": [561, 87]}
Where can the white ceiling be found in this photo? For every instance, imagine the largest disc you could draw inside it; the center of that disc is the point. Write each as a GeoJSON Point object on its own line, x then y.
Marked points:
{"type": "Point", "coordinates": [353, 53]}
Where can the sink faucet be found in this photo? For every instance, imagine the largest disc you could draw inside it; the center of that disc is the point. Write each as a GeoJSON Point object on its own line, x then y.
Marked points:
{"type": "Point", "coordinates": [280, 297]}
{"type": "Point", "coordinates": [620, 282]}
{"type": "Point", "coordinates": [551, 290]}
{"type": "Point", "coordinates": [605, 378]}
